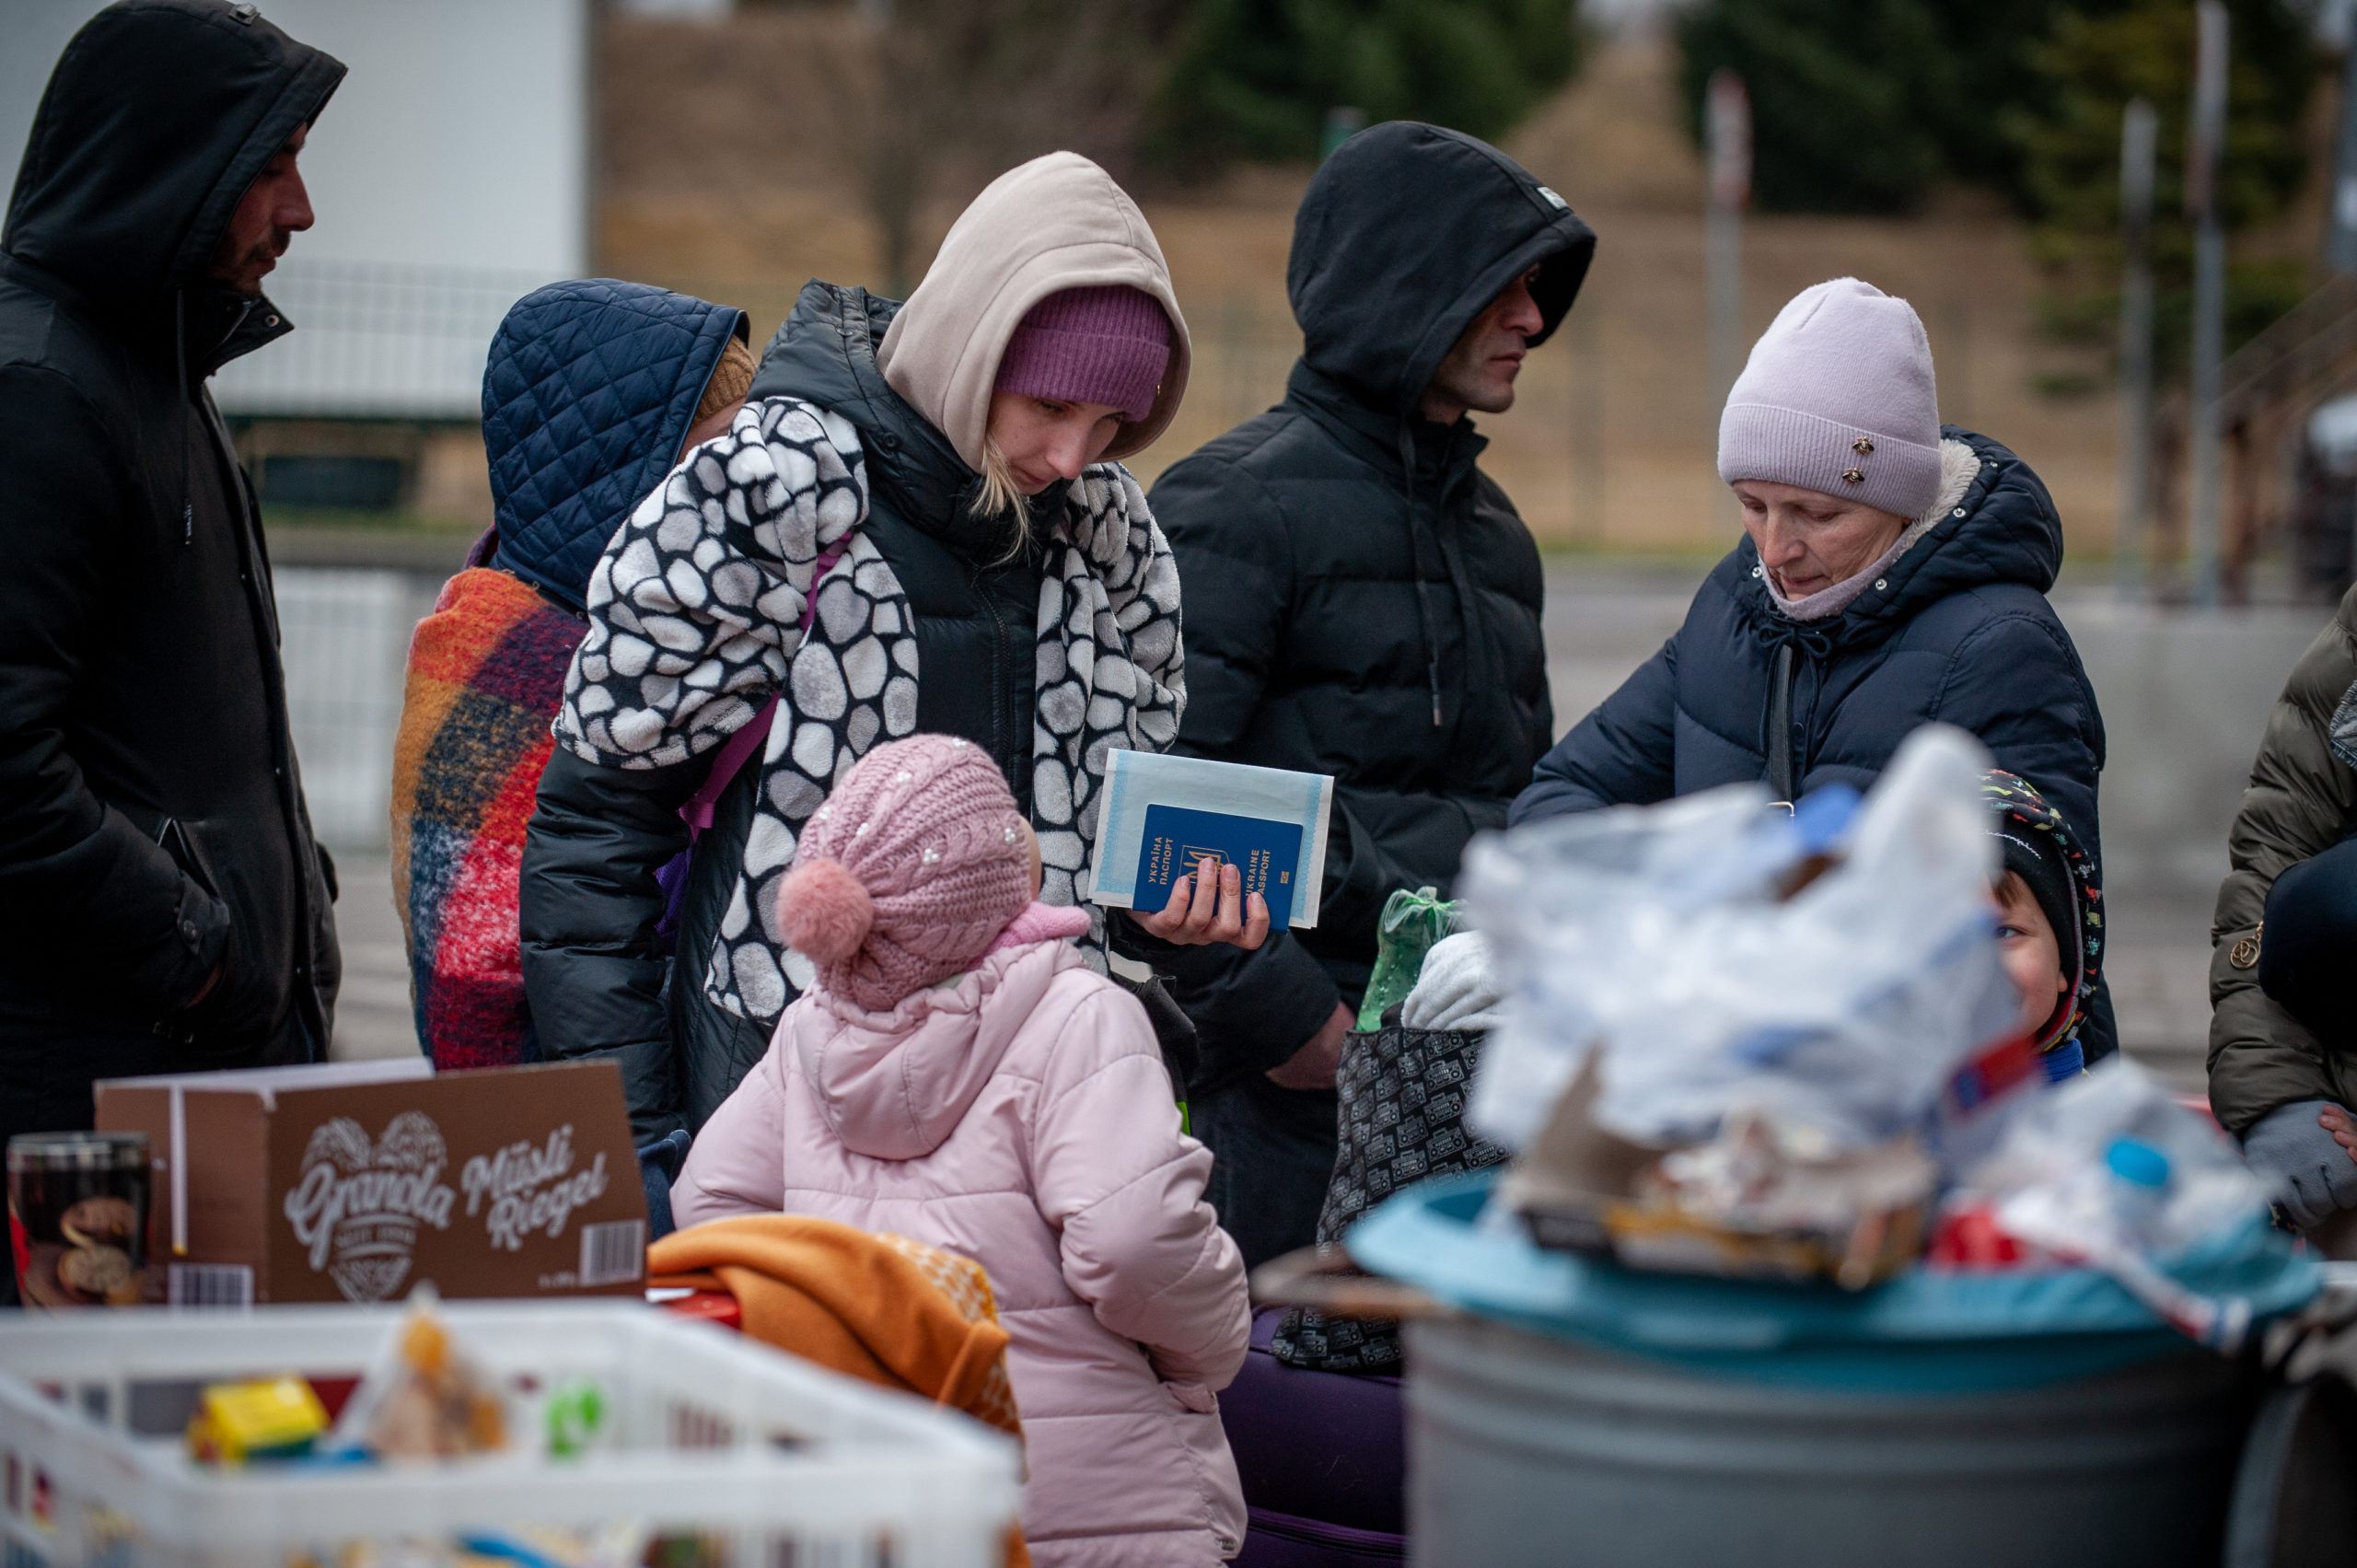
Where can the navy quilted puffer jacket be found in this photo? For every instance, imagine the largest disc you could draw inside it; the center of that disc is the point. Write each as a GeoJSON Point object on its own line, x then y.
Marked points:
{"type": "Point", "coordinates": [590, 388]}
{"type": "Point", "coordinates": [1959, 631]}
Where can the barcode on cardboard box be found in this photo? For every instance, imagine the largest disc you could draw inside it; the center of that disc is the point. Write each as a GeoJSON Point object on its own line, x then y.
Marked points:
{"type": "Point", "coordinates": [612, 1252]}
{"type": "Point", "coordinates": [210, 1284]}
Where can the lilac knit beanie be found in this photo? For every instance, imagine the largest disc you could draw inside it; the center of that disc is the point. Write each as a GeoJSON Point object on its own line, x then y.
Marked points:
{"type": "Point", "coordinates": [1103, 345]}
{"type": "Point", "coordinates": [908, 872]}
{"type": "Point", "coordinates": [1838, 397]}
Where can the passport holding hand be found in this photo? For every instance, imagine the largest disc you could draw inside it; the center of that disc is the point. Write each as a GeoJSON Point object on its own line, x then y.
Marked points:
{"type": "Point", "coordinates": [1178, 842]}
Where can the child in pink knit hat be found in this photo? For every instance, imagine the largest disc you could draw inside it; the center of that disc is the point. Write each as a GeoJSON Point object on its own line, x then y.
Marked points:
{"type": "Point", "coordinates": [959, 1075]}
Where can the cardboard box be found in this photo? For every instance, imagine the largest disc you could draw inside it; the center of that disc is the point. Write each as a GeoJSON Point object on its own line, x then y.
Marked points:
{"type": "Point", "coordinates": [354, 1181]}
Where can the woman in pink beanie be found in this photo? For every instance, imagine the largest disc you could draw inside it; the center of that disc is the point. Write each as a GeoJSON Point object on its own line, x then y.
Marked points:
{"type": "Point", "coordinates": [958, 1075]}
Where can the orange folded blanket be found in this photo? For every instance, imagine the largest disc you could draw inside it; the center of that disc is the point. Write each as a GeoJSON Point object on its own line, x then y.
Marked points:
{"type": "Point", "coordinates": [882, 1309]}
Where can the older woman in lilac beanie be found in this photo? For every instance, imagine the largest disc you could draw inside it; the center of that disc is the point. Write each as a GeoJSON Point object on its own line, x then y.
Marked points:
{"type": "Point", "coordinates": [1893, 572]}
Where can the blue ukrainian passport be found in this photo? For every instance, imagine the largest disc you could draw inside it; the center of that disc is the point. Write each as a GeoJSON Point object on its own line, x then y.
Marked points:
{"type": "Point", "coordinates": [1177, 840]}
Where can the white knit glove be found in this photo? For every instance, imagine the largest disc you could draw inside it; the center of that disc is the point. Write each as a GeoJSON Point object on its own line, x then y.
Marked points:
{"type": "Point", "coordinates": [1458, 987]}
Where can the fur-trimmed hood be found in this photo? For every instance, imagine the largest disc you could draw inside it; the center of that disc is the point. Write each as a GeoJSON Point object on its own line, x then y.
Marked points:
{"type": "Point", "coordinates": [1995, 523]}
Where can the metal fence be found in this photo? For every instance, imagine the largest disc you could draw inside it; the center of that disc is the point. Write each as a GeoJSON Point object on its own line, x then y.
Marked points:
{"type": "Point", "coordinates": [345, 637]}
{"type": "Point", "coordinates": [375, 341]}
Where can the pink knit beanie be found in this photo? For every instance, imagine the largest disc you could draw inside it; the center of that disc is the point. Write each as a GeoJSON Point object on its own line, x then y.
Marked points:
{"type": "Point", "coordinates": [908, 872]}
{"type": "Point", "coordinates": [1103, 345]}
{"type": "Point", "coordinates": [1838, 397]}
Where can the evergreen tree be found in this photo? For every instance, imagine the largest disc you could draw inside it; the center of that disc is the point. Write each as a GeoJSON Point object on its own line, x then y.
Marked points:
{"type": "Point", "coordinates": [1255, 78]}
{"type": "Point", "coordinates": [2097, 58]}
{"type": "Point", "coordinates": [1859, 106]}
{"type": "Point", "coordinates": [1836, 90]}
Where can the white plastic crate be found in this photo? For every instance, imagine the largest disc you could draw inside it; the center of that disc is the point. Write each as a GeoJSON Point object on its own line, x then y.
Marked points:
{"type": "Point", "coordinates": [768, 1460]}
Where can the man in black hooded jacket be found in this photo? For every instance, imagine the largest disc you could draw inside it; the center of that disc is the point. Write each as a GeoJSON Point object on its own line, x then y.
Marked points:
{"type": "Point", "coordinates": [162, 904]}
{"type": "Point", "coordinates": [1361, 600]}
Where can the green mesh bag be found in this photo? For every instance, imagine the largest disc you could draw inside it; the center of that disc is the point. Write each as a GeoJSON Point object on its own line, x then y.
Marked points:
{"type": "Point", "coordinates": [1411, 923]}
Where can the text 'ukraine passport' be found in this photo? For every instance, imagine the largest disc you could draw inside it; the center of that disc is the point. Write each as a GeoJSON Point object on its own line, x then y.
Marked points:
{"type": "Point", "coordinates": [1159, 816]}
{"type": "Point", "coordinates": [1178, 840]}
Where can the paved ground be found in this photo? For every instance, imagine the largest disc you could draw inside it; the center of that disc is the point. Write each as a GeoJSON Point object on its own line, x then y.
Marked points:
{"type": "Point", "coordinates": [1601, 623]}
{"type": "Point", "coordinates": [2159, 969]}
{"type": "Point", "coordinates": [373, 1017]}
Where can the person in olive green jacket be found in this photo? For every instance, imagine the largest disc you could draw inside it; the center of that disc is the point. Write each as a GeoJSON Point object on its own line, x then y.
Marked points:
{"type": "Point", "coordinates": [2272, 1082]}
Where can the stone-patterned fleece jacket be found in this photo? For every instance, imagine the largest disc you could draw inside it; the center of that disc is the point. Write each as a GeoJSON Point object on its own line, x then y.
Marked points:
{"type": "Point", "coordinates": [1020, 1115]}
{"type": "Point", "coordinates": [849, 475]}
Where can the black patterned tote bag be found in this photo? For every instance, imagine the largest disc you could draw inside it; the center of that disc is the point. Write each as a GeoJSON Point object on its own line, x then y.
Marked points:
{"type": "Point", "coordinates": [1402, 1095]}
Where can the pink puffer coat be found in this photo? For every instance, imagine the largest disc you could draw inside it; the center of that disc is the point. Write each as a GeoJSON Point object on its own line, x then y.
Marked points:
{"type": "Point", "coordinates": [1021, 1116]}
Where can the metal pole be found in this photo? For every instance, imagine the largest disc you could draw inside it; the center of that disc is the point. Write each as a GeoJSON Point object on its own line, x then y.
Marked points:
{"type": "Point", "coordinates": [2139, 140]}
{"type": "Point", "coordinates": [2341, 234]}
{"type": "Point", "coordinates": [2205, 142]}
{"type": "Point", "coordinates": [1587, 425]}
{"type": "Point", "coordinates": [1728, 112]}
{"type": "Point", "coordinates": [1955, 353]}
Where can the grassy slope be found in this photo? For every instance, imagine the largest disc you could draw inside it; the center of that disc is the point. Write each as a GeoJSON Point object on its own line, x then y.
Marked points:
{"type": "Point", "coordinates": [694, 200]}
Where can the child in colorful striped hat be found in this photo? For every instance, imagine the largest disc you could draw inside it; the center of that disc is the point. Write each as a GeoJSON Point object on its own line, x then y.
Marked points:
{"type": "Point", "coordinates": [2050, 918]}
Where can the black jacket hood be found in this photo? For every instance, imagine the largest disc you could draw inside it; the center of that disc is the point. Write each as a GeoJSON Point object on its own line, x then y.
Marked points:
{"type": "Point", "coordinates": [1406, 233]}
{"type": "Point", "coordinates": [156, 119]}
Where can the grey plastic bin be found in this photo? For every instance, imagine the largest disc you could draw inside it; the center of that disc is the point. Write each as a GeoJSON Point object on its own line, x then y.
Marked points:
{"type": "Point", "coordinates": [1531, 1449]}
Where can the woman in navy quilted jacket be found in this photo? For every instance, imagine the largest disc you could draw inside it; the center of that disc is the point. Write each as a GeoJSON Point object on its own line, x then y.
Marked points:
{"type": "Point", "coordinates": [591, 391]}
{"type": "Point", "coordinates": [1893, 572]}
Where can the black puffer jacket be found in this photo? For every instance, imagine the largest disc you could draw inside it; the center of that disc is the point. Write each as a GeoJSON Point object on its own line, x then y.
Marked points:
{"type": "Point", "coordinates": [141, 696]}
{"type": "Point", "coordinates": [593, 967]}
{"type": "Point", "coordinates": [1361, 600]}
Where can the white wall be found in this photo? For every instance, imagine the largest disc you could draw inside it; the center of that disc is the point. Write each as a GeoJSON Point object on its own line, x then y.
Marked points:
{"type": "Point", "coordinates": [450, 174]}
{"type": "Point", "coordinates": [459, 138]}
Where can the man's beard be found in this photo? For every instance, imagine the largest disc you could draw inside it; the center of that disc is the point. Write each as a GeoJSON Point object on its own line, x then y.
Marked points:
{"type": "Point", "coordinates": [255, 264]}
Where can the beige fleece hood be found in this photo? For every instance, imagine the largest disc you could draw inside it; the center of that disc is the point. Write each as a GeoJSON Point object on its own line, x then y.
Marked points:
{"type": "Point", "coordinates": [1058, 222]}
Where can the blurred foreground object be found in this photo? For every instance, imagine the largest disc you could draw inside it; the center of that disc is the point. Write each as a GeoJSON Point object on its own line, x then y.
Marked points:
{"type": "Point", "coordinates": [708, 1438]}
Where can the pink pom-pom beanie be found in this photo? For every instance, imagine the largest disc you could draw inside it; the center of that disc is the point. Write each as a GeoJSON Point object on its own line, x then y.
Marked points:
{"type": "Point", "coordinates": [909, 871]}
{"type": "Point", "coordinates": [1838, 397]}
{"type": "Point", "coordinates": [1105, 345]}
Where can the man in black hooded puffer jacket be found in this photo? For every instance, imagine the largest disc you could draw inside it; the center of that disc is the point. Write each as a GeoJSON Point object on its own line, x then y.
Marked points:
{"type": "Point", "coordinates": [162, 904]}
{"type": "Point", "coordinates": [1361, 600]}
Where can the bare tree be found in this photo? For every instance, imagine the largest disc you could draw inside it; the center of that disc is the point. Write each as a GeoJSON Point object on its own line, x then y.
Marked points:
{"type": "Point", "coordinates": [952, 92]}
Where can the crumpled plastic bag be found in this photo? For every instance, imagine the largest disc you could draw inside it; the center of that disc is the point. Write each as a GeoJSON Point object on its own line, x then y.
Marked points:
{"type": "Point", "coordinates": [2108, 1170]}
{"type": "Point", "coordinates": [1662, 937]}
{"type": "Point", "coordinates": [1413, 923]}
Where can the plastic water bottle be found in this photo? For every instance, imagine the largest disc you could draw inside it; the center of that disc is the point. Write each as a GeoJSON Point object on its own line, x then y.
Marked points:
{"type": "Point", "coordinates": [2140, 1189]}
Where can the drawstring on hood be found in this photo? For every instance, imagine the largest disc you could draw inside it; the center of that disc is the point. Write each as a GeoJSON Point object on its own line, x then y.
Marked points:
{"type": "Point", "coordinates": [1405, 234]}
{"type": "Point", "coordinates": [1792, 637]}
